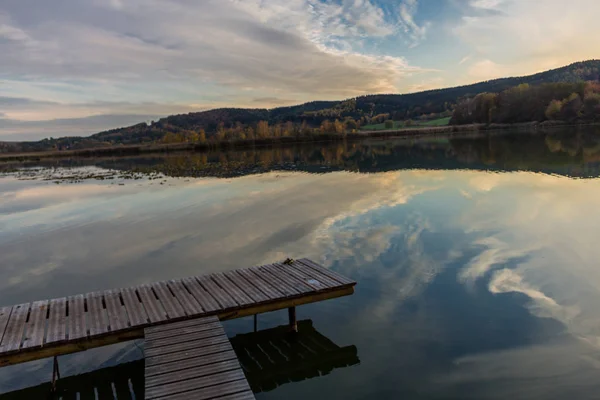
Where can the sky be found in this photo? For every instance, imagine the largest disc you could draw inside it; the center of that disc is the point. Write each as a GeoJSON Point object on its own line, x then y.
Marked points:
{"type": "Point", "coordinates": [75, 67]}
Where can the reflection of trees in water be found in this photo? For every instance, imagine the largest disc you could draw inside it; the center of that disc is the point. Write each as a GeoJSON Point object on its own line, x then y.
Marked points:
{"type": "Point", "coordinates": [574, 153]}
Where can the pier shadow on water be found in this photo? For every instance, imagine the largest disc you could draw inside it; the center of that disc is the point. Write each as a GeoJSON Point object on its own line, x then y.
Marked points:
{"type": "Point", "coordinates": [270, 358]}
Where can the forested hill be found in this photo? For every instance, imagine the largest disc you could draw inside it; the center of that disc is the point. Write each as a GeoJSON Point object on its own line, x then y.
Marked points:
{"type": "Point", "coordinates": [363, 109]}
{"type": "Point", "coordinates": [399, 106]}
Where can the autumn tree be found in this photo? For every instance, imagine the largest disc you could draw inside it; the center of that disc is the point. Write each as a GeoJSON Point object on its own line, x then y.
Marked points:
{"type": "Point", "coordinates": [262, 129]}
{"type": "Point", "coordinates": [553, 110]}
{"type": "Point", "coordinates": [201, 136]}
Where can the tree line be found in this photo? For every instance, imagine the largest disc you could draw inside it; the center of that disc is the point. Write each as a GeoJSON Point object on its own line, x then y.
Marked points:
{"type": "Point", "coordinates": [569, 102]}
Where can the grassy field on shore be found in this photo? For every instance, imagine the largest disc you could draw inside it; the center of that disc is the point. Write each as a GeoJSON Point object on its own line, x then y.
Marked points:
{"type": "Point", "coordinates": [402, 124]}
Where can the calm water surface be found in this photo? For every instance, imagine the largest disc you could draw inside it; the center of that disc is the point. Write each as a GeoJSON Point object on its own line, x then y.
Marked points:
{"type": "Point", "coordinates": [477, 259]}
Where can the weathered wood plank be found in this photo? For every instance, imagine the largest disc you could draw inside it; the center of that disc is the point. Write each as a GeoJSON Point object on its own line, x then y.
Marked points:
{"type": "Point", "coordinates": [213, 392]}
{"type": "Point", "coordinates": [198, 361]}
{"type": "Point", "coordinates": [182, 324]}
{"type": "Point", "coordinates": [170, 303]}
{"type": "Point", "coordinates": [135, 310]}
{"type": "Point", "coordinates": [204, 298]}
{"type": "Point", "coordinates": [4, 317]}
{"type": "Point", "coordinates": [35, 329]}
{"type": "Point", "coordinates": [13, 336]}
{"type": "Point", "coordinates": [187, 300]}
{"type": "Point", "coordinates": [316, 273]}
{"type": "Point", "coordinates": [117, 314]}
{"type": "Point", "coordinates": [57, 321]}
{"type": "Point", "coordinates": [171, 361]}
{"type": "Point", "coordinates": [313, 274]}
{"type": "Point", "coordinates": [288, 280]}
{"type": "Point", "coordinates": [194, 384]}
{"type": "Point", "coordinates": [224, 299]}
{"type": "Point", "coordinates": [264, 286]}
{"type": "Point", "coordinates": [179, 337]}
{"type": "Point", "coordinates": [153, 307]}
{"type": "Point", "coordinates": [181, 331]}
{"type": "Point", "coordinates": [192, 372]}
{"type": "Point", "coordinates": [179, 347]}
{"type": "Point", "coordinates": [264, 273]}
{"type": "Point", "coordinates": [237, 293]}
{"type": "Point", "coordinates": [332, 274]}
{"type": "Point", "coordinates": [315, 284]}
{"type": "Point", "coordinates": [77, 318]}
{"type": "Point", "coordinates": [247, 395]}
{"type": "Point", "coordinates": [97, 318]}
{"type": "Point", "coordinates": [247, 286]}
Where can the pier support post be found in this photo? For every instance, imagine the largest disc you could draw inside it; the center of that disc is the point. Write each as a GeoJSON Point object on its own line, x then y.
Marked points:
{"type": "Point", "coordinates": [55, 374]}
{"type": "Point", "coordinates": [292, 316]}
{"type": "Point", "coordinates": [255, 323]}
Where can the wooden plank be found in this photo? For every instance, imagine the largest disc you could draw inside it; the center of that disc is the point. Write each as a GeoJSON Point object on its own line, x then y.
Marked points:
{"type": "Point", "coordinates": [286, 302]}
{"type": "Point", "coordinates": [314, 274]}
{"type": "Point", "coordinates": [13, 334]}
{"type": "Point", "coordinates": [77, 318]}
{"type": "Point", "coordinates": [288, 280]}
{"type": "Point", "coordinates": [187, 300]}
{"type": "Point", "coordinates": [204, 298]}
{"type": "Point", "coordinates": [333, 275]}
{"type": "Point", "coordinates": [153, 352]}
{"type": "Point", "coordinates": [194, 384]}
{"type": "Point", "coordinates": [151, 304]}
{"type": "Point", "coordinates": [224, 299]}
{"type": "Point", "coordinates": [213, 392]}
{"type": "Point", "coordinates": [274, 281]}
{"type": "Point", "coordinates": [264, 286]}
{"type": "Point", "coordinates": [182, 324]}
{"type": "Point", "coordinates": [117, 314]}
{"type": "Point", "coordinates": [57, 321]}
{"type": "Point", "coordinates": [97, 318]}
{"type": "Point", "coordinates": [170, 303]}
{"type": "Point", "coordinates": [192, 372]}
{"type": "Point", "coordinates": [4, 317]}
{"type": "Point", "coordinates": [198, 321]}
{"type": "Point", "coordinates": [247, 286]}
{"type": "Point", "coordinates": [313, 283]}
{"type": "Point", "coordinates": [35, 329]}
{"type": "Point", "coordinates": [135, 310]}
{"type": "Point", "coordinates": [195, 352]}
{"type": "Point", "coordinates": [233, 290]}
{"type": "Point", "coordinates": [191, 362]}
{"type": "Point", "coordinates": [247, 395]}
{"type": "Point", "coordinates": [181, 331]}
{"type": "Point", "coordinates": [152, 343]}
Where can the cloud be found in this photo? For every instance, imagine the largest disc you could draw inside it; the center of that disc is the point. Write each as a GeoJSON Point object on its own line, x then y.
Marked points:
{"type": "Point", "coordinates": [415, 33]}
{"type": "Point", "coordinates": [15, 130]}
{"type": "Point", "coordinates": [516, 37]}
{"type": "Point", "coordinates": [207, 52]}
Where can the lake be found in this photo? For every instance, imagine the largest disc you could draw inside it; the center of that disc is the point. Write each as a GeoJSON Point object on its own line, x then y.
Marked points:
{"type": "Point", "coordinates": [476, 257]}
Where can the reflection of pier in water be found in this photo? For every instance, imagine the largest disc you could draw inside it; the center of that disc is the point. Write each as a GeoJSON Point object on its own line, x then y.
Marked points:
{"type": "Point", "coordinates": [270, 358]}
{"type": "Point", "coordinates": [124, 381]}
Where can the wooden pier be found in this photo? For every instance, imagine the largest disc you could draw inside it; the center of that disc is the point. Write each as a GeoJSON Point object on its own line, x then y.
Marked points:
{"type": "Point", "coordinates": [50, 328]}
{"type": "Point", "coordinates": [269, 358]}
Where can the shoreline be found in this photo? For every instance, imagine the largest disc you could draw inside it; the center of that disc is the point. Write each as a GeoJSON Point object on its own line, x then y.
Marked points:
{"type": "Point", "coordinates": [406, 133]}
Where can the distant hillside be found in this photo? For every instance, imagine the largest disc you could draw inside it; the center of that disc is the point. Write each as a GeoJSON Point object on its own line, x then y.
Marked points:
{"type": "Point", "coordinates": [364, 109]}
